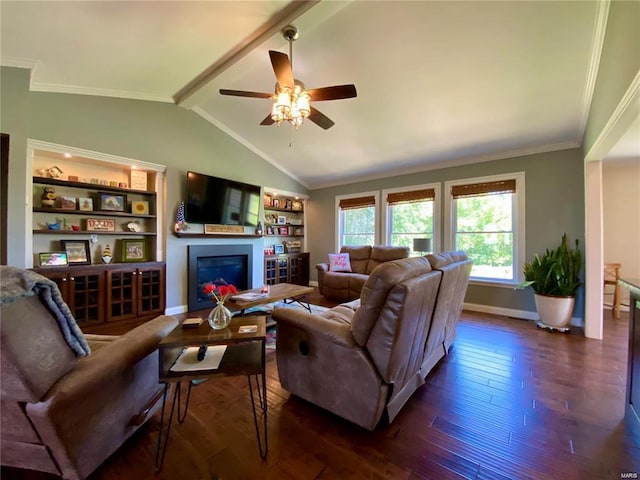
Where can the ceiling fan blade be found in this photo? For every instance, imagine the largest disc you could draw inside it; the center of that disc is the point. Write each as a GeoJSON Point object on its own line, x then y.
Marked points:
{"type": "Point", "coordinates": [267, 120]}
{"type": "Point", "coordinates": [282, 68]}
{"type": "Point", "coordinates": [337, 92]}
{"type": "Point", "coordinates": [320, 119]}
{"type": "Point", "coordinates": [242, 93]}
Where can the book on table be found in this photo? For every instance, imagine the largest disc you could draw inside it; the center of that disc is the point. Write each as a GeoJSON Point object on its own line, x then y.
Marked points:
{"type": "Point", "coordinates": [250, 296]}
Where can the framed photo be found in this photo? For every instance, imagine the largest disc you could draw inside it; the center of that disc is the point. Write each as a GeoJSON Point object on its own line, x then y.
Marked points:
{"type": "Point", "coordinates": [269, 230]}
{"type": "Point", "coordinates": [134, 250]}
{"type": "Point", "coordinates": [283, 230]}
{"type": "Point", "coordinates": [282, 220]}
{"type": "Point", "coordinates": [101, 225]}
{"type": "Point", "coordinates": [298, 231]}
{"type": "Point", "coordinates": [67, 203]}
{"type": "Point", "coordinates": [278, 249]}
{"type": "Point", "coordinates": [78, 251]}
{"type": "Point", "coordinates": [53, 259]}
{"type": "Point", "coordinates": [85, 204]}
{"type": "Point", "coordinates": [140, 207]}
{"type": "Point", "coordinates": [111, 202]}
{"type": "Point", "coordinates": [275, 203]}
{"type": "Point", "coordinates": [296, 205]}
{"type": "Point", "coordinates": [288, 204]}
{"type": "Point", "coordinates": [267, 200]}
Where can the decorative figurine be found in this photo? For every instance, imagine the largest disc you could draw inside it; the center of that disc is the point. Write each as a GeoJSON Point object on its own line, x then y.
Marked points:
{"type": "Point", "coordinates": [181, 224]}
{"type": "Point", "coordinates": [259, 229]}
{"type": "Point", "coordinates": [106, 254]}
{"type": "Point", "coordinates": [48, 198]}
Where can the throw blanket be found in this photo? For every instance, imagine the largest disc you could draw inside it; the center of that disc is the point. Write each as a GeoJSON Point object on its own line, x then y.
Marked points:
{"type": "Point", "coordinates": [17, 283]}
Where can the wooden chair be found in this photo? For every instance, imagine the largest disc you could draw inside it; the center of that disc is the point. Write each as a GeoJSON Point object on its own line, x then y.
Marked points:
{"type": "Point", "coordinates": [611, 276]}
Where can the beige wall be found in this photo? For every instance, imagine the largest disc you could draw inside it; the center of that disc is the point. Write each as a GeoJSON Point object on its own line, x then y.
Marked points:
{"type": "Point", "coordinates": [621, 202]}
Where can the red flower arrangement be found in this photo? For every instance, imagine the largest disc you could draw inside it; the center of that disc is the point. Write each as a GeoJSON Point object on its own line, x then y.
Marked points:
{"type": "Point", "coordinates": [219, 292]}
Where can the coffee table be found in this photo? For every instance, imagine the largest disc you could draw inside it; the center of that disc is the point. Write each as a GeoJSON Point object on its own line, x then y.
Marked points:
{"type": "Point", "coordinates": [287, 292]}
{"type": "Point", "coordinates": [244, 355]}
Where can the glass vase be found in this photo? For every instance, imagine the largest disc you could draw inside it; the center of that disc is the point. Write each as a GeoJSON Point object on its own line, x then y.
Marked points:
{"type": "Point", "coordinates": [219, 317]}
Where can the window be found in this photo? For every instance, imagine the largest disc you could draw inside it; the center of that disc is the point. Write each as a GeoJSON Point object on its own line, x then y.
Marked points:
{"type": "Point", "coordinates": [486, 218]}
{"type": "Point", "coordinates": [410, 215]}
{"type": "Point", "coordinates": [357, 219]}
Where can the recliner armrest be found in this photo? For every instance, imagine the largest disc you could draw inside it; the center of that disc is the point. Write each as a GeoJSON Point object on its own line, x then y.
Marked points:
{"type": "Point", "coordinates": [322, 268]}
{"type": "Point", "coordinates": [320, 327]}
{"type": "Point", "coordinates": [113, 359]}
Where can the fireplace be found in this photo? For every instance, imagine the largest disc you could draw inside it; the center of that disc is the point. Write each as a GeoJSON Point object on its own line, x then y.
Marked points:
{"type": "Point", "coordinates": [217, 264]}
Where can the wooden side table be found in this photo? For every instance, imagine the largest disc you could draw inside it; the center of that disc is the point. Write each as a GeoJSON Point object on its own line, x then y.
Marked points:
{"type": "Point", "coordinates": [244, 355]}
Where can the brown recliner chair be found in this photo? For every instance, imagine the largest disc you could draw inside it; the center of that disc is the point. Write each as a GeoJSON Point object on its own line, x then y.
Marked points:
{"type": "Point", "coordinates": [63, 414]}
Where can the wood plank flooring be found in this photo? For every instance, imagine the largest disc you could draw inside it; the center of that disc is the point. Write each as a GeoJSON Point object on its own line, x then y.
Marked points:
{"type": "Point", "coordinates": [509, 402]}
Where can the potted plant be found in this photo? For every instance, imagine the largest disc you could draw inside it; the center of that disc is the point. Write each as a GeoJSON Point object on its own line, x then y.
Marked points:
{"type": "Point", "coordinates": [555, 278]}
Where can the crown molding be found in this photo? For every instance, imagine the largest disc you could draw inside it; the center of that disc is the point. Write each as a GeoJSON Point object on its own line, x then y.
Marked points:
{"type": "Point", "coordinates": [599, 31]}
{"type": "Point", "coordinates": [440, 164]}
{"type": "Point", "coordinates": [243, 141]}
{"type": "Point", "coordinates": [99, 92]}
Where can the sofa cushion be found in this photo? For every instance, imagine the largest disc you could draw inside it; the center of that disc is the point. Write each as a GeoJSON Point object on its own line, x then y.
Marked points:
{"type": "Point", "coordinates": [359, 256]}
{"type": "Point", "coordinates": [385, 253]}
{"type": "Point", "coordinates": [376, 289]}
{"type": "Point", "coordinates": [339, 262]}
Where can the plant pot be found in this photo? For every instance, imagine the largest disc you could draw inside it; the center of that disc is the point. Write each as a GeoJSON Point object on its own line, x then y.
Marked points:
{"type": "Point", "coordinates": [555, 312]}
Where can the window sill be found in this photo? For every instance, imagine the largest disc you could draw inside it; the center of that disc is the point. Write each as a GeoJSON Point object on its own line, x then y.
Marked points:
{"type": "Point", "coordinates": [493, 283]}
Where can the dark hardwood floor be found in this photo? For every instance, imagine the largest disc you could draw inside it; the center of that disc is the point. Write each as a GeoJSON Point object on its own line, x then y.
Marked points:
{"type": "Point", "coordinates": [509, 402]}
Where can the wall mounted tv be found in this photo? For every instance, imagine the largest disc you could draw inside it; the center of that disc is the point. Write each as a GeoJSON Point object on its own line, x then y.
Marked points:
{"type": "Point", "coordinates": [221, 201]}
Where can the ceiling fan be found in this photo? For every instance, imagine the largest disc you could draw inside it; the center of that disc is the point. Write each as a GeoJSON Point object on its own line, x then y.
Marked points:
{"type": "Point", "coordinates": [291, 99]}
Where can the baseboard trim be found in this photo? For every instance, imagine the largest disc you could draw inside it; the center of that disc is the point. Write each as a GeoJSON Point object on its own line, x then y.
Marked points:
{"type": "Point", "coordinates": [313, 283]}
{"type": "Point", "coordinates": [511, 312]}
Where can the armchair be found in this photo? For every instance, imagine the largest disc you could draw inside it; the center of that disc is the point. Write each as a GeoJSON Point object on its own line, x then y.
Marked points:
{"type": "Point", "coordinates": [63, 414]}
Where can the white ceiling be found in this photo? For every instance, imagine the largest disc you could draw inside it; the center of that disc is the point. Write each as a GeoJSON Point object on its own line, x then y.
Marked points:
{"type": "Point", "coordinates": [439, 83]}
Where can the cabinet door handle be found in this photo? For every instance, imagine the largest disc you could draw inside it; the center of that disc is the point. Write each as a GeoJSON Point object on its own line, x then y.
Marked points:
{"type": "Point", "coordinates": [64, 279]}
{"type": "Point", "coordinates": [72, 278]}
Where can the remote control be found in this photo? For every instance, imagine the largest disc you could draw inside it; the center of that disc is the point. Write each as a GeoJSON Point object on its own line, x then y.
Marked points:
{"type": "Point", "coordinates": [202, 351]}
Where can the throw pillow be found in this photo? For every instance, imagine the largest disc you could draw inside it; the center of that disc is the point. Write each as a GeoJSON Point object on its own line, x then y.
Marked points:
{"type": "Point", "coordinates": [339, 262]}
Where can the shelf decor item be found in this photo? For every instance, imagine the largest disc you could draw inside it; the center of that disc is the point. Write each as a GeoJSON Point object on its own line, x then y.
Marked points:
{"type": "Point", "coordinates": [85, 204]}
{"type": "Point", "coordinates": [220, 317]}
{"type": "Point", "coordinates": [140, 207]}
{"type": "Point", "coordinates": [106, 254]}
{"type": "Point", "coordinates": [134, 250]}
{"type": "Point", "coordinates": [138, 180]}
{"type": "Point", "coordinates": [53, 259]}
{"type": "Point", "coordinates": [48, 198]}
{"type": "Point", "coordinates": [67, 203]}
{"type": "Point", "coordinates": [78, 251]}
{"type": "Point", "coordinates": [101, 225]}
{"type": "Point", "coordinates": [110, 202]}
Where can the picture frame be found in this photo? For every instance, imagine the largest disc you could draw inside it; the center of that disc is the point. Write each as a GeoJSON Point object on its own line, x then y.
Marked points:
{"type": "Point", "coordinates": [283, 230]}
{"type": "Point", "coordinates": [53, 259]}
{"type": "Point", "coordinates": [140, 207]}
{"type": "Point", "coordinates": [282, 220]}
{"type": "Point", "coordinates": [278, 249]}
{"type": "Point", "coordinates": [267, 200]}
{"type": "Point", "coordinates": [67, 202]}
{"type": "Point", "coordinates": [296, 205]}
{"type": "Point", "coordinates": [101, 225]}
{"type": "Point", "coordinates": [269, 230]}
{"type": "Point", "coordinates": [85, 204]}
{"type": "Point", "coordinates": [111, 202]}
{"type": "Point", "coordinates": [134, 250]}
{"type": "Point", "coordinates": [78, 251]}
{"type": "Point", "coordinates": [275, 203]}
{"type": "Point", "coordinates": [288, 204]}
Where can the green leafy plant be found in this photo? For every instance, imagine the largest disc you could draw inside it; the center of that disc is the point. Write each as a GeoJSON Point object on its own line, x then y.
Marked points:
{"type": "Point", "coordinates": [557, 272]}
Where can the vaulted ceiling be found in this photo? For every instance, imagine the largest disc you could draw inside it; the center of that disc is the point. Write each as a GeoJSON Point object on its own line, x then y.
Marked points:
{"type": "Point", "coordinates": [439, 83]}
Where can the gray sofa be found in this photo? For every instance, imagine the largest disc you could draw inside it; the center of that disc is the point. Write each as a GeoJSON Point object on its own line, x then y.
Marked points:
{"type": "Point", "coordinates": [368, 356]}
{"type": "Point", "coordinates": [65, 413]}
{"type": "Point", "coordinates": [346, 286]}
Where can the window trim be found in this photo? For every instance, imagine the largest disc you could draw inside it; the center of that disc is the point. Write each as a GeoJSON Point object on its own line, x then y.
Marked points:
{"type": "Point", "coordinates": [519, 222]}
{"type": "Point", "coordinates": [386, 218]}
{"type": "Point", "coordinates": [338, 214]}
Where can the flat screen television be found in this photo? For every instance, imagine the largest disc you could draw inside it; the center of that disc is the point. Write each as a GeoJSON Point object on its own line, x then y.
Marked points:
{"type": "Point", "coordinates": [221, 201]}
